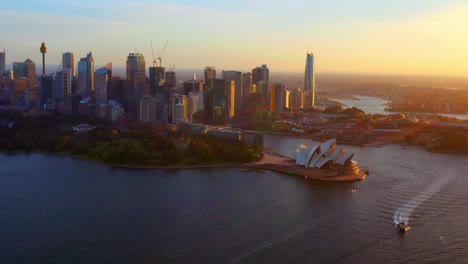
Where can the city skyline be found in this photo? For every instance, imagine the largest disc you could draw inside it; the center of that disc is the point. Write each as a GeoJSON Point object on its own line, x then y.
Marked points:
{"type": "Point", "coordinates": [365, 37]}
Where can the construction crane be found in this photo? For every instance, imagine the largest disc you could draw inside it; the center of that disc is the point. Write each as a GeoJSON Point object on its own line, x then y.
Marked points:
{"type": "Point", "coordinates": [172, 68]}
{"type": "Point", "coordinates": [162, 53]}
{"type": "Point", "coordinates": [152, 54]}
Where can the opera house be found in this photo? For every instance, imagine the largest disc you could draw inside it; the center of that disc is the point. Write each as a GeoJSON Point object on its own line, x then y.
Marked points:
{"type": "Point", "coordinates": [324, 162]}
{"type": "Point", "coordinates": [328, 161]}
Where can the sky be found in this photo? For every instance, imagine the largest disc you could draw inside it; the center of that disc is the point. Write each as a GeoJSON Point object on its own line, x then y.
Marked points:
{"type": "Point", "coordinates": [404, 37]}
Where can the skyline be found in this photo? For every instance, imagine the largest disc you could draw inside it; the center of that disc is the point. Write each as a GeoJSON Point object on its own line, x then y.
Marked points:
{"type": "Point", "coordinates": [421, 37]}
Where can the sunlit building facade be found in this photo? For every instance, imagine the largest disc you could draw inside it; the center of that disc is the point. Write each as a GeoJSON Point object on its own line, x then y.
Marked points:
{"type": "Point", "coordinates": [296, 99]}
{"type": "Point", "coordinates": [277, 98]}
{"type": "Point", "coordinates": [236, 77]}
{"type": "Point", "coordinates": [246, 90]}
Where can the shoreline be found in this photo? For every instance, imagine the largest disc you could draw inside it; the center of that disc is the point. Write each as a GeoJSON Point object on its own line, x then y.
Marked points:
{"type": "Point", "coordinates": [128, 166]}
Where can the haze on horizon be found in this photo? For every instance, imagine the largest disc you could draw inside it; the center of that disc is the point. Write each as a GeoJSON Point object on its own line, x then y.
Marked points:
{"type": "Point", "coordinates": [423, 37]}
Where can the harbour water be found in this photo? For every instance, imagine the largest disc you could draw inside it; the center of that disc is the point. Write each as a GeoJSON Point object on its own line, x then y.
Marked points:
{"type": "Point", "coordinates": [61, 210]}
{"type": "Point", "coordinates": [376, 105]}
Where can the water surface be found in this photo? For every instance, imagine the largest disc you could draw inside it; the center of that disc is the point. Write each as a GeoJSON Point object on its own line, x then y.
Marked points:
{"type": "Point", "coordinates": [62, 210]}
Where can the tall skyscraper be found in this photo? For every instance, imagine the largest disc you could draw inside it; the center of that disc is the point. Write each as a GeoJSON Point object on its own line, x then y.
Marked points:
{"type": "Point", "coordinates": [30, 71]}
{"type": "Point", "coordinates": [19, 70]}
{"type": "Point", "coordinates": [277, 98]}
{"type": "Point", "coordinates": [135, 68]}
{"type": "Point", "coordinates": [62, 85]}
{"type": "Point", "coordinates": [85, 76]}
{"type": "Point", "coordinates": [261, 74]}
{"type": "Point", "coordinates": [46, 88]}
{"type": "Point", "coordinates": [296, 99]}
{"type": "Point", "coordinates": [235, 76]}
{"type": "Point", "coordinates": [246, 90]}
{"type": "Point", "coordinates": [2, 62]}
{"type": "Point", "coordinates": [309, 80]}
{"type": "Point", "coordinates": [156, 78]}
{"type": "Point", "coordinates": [103, 83]}
{"type": "Point", "coordinates": [68, 60]}
{"type": "Point", "coordinates": [210, 73]}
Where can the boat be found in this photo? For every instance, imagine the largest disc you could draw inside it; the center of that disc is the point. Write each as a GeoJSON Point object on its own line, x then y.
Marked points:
{"type": "Point", "coordinates": [323, 162]}
{"type": "Point", "coordinates": [403, 227]}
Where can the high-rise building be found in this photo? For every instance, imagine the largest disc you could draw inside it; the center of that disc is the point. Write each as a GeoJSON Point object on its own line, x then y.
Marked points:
{"type": "Point", "coordinates": [118, 89]}
{"type": "Point", "coordinates": [192, 86]}
{"type": "Point", "coordinates": [46, 88]}
{"type": "Point", "coordinates": [235, 76]}
{"type": "Point", "coordinates": [210, 73]}
{"type": "Point", "coordinates": [68, 60]}
{"type": "Point", "coordinates": [136, 79]}
{"type": "Point", "coordinates": [103, 83]}
{"type": "Point", "coordinates": [261, 89]}
{"type": "Point", "coordinates": [170, 79]}
{"type": "Point", "coordinates": [62, 85]}
{"type": "Point", "coordinates": [296, 99]}
{"type": "Point", "coordinates": [309, 80]}
{"type": "Point", "coordinates": [277, 98]}
{"type": "Point", "coordinates": [156, 79]}
{"type": "Point", "coordinates": [6, 79]}
{"type": "Point", "coordinates": [30, 70]}
{"type": "Point", "coordinates": [85, 76]}
{"type": "Point", "coordinates": [147, 109]}
{"type": "Point", "coordinates": [179, 113]}
{"type": "Point", "coordinates": [19, 70]}
{"type": "Point", "coordinates": [230, 105]}
{"type": "Point", "coordinates": [2, 62]}
{"type": "Point", "coordinates": [17, 90]}
{"type": "Point", "coordinates": [261, 74]}
{"type": "Point", "coordinates": [217, 96]}
{"type": "Point", "coordinates": [246, 89]}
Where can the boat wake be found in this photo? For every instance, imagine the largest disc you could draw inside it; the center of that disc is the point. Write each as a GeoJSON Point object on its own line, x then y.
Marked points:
{"type": "Point", "coordinates": [402, 214]}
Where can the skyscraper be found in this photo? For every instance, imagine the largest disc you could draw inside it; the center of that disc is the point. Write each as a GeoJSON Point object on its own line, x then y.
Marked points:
{"type": "Point", "coordinates": [261, 74]}
{"type": "Point", "coordinates": [30, 71]}
{"type": "Point", "coordinates": [309, 80]}
{"type": "Point", "coordinates": [103, 83]}
{"type": "Point", "coordinates": [296, 99]}
{"type": "Point", "coordinates": [235, 76]}
{"type": "Point", "coordinates": [85, 76]}
{"type": "Point", "coordinates": [19, 70]}
{"type": "Point", "coordinates": [210, 73]}
{"type": "Point", "coordinates": [277, 99]}
{"type": "Point", "coordinates": [68, 60]}
{"type": "Point", "coordinates": [156, 78]}
{"type": "Point", "coordinates": [46, 88]}
{"type": "Point", "coordinates": [2, 62]}
{"type": "Point", "coordinates": [135, 68]}
{"type": "Point", "coordinates": [62, 85]}
{"type": "Point", "coordinates": [246, 89]}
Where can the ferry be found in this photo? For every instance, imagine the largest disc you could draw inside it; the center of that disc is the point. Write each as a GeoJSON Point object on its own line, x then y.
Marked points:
{"type": "Point", "coordinates": [403, 227]}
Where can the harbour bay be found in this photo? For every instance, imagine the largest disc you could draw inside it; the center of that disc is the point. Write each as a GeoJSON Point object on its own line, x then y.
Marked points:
{"type": "Point", "coordinates": [58, 209]}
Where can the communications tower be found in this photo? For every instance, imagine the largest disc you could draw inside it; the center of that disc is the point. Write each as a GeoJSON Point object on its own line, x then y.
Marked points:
{"type": "Point", "coordinates": [43, 51]}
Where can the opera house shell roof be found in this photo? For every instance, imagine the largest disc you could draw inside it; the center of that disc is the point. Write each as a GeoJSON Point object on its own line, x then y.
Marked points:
{"type": "Point", "coordinates": [324, 155]}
